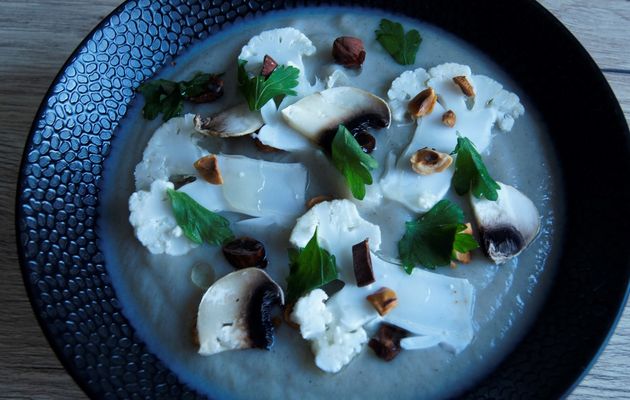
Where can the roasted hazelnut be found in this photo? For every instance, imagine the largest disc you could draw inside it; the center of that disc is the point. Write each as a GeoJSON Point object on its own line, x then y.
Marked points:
{"type": "Point", "coordinates": [316, 200]}
{"type": "Point", "coordinates": [212, 91]}
{"type": "Point", "coordinates": [449, 118]}
{"type": "Point", "coordinates": [245, 252]}
{"type": "Point", "coordinates": [428, 161]}
{"type": "Point", "coordinates": [208, 168]}
{"type": "Point", "coordinates": [366, 141]}
{"type": "Point", "coordinates": [269, 65]}
{"type": "Point", "coordinates": [348, 51]}
{"type": "Point", "coordinates": [384, 300]}
{"type": "Point", "coordinates": [464, 85]}
{"type": "Point", "coordinates": [422, 104]}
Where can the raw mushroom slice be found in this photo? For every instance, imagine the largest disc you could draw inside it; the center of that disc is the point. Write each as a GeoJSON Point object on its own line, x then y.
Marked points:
{"type": "Point", "coordinates": [171, 151]}
{"type": "Point", "coordinates": [276, 133]}
{"type": "Point", "coordinates": [507, 226]}
{"type": "Point", "coordinates": [235, 312]}
{"type": "Point", "coordinates": [233, 122]}
{"type": "Point", "coordinates": [322, 112]}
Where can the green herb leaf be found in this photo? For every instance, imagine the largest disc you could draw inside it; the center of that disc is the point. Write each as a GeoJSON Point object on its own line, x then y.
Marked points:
{"type": "Point", "coordinates": [471, 172]}
{"type": "Point", "coordinates": [199, 224]}
{"type": "Point", "coordinates": [402, 46]}
{"type": "Point", "coordinates": [431, 239]}
{"type": "Point", "coordinates": [258, 90]}
{"type": "Point", "coordinates": [311, 267]}
{"type": "Point", "coordinates": [352, 162]}
{"type": "Point", "coordinates": [167, 97]}
{"type": "Point", "coordinates": [464, 242]}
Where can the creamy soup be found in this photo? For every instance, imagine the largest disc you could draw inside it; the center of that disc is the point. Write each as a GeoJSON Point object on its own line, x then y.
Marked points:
{"type": "Point", "coordinates": [160, 294]}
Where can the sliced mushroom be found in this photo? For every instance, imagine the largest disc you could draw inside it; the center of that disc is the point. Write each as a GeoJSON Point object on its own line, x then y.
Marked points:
{"type": "Point", "coordinates": [320, 113]}
{"type": "Point", "coordinates": [507, 226]}
{"type": "Point", "coordinates": [235, 312]}
{"type": "Point", "coordinates": [233, 122]}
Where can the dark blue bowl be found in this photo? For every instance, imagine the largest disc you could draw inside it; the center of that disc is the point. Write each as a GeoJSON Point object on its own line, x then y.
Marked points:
{"type": "Point", "coordinates": [65, 271]}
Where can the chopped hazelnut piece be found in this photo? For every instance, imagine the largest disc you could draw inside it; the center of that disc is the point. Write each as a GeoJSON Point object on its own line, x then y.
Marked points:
{"type": "Point", "coordinates": [428, 161]}
{"type": "Point", "coordinates": [265, 148]}
{"type": "Point", "coordinates": [386, 341]}
{"type": "Point", "coordinates": [366, 141]}
{"type": "Point", "coordinates": [348, 51]}
{"type": "Point", "coordinates": [269, 65]}
{"type": "Point", "coordinates": [384, 300]}
{"type": "Point", "coordinates": [449, 118]}
{"type": "Point", "coordinates": [316, 200]}
{"type": "Point", "coordinates": [464, 85]}
{"type": "Point", "coordinates": [465, 258]}
{"type": "Point", "coordinates": [208, 168]}
{"type": "Point", "coordinates": [245, 252]}
{"type": "Point", "coordinates": [362, 263]}
{"type": "Point", "coordinates": [422, 104]}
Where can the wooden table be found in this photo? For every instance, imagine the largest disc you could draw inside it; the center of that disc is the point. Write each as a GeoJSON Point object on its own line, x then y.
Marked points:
{"type": "Point", "coordinates": [36, 37]}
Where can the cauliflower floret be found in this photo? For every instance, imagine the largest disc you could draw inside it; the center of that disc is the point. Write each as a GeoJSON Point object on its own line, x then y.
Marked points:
{"type": "Point", "coordinates": [154, 223]}
{"type": "Point", "coordinates": [172, 150]}
{"type": "Point", "coordinates": [333, 345]}
{"type": "Point", "coordinates": [339, 227]}
{"type": "Point", "coordinates": [311, 314]}
{"type": "Point", "coordinates": [287, 46]}
{"type": "Point", "coordinates": [476, 116]}
{"type": "Point", "coordinates": [337, 347]}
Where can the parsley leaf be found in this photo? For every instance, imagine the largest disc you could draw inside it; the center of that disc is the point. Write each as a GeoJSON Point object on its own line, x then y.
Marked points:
{"type": "Point", "coordinates": [199, 224]}
{"type": "Point", "coordinates": [167, 97]}
{"type": "Point", "coordinates": [258, 90]}
{"type": "Point", "coordinates": [471, 173]}
{"type": "Point", "coordinates": [311, 267]}
{"type": "Point", "coordinates": [431, 239]}
{"type": "Point", "coordinates": [402, 46]}
{"type": "Point", "coordinates": [352, 161]}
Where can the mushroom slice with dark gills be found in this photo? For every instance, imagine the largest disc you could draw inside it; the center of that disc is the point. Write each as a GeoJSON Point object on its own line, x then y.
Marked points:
{"type": "Point", "coordinates": [233, 122]}
{"type": "Point", "coordinates": [235, 312]}
{"type": "Point", "coordinates": [507, 226]}
{"type": "Point", "coordinates": [320, 113]}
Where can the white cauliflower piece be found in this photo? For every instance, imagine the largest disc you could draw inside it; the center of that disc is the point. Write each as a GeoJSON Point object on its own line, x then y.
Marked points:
{"type": "Point", "coordinates": [311, 314]}
{"type": "Point", "coordinates": [491, 106]}
{"type": "Point", "coordinates": [154, 223]}
{"type": "Point", "coordinates": [337, 347]}
{"type": "Point", "coordinates": [339, 227]}
{"type": "Point", "coordinates": [333, 345]}
{"type": "Point", "coordinates": [172, 150]}
{"type": "Point", "coordinates": [287, 46]}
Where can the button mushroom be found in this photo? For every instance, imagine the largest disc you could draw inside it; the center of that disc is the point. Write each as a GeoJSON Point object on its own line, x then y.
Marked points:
{"type": "Point", "coordinates": [507, 226]}
{"type": "Point", "coordinates": [233, 122]}
{"type": "Point", "coordinates": [235, 312]}
{"type": "Point", "coordinates": [322, 112]}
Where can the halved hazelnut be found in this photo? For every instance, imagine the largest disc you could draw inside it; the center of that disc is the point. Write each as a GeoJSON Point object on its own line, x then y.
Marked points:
{"type": "Point", "coordinates": [465, 258]}
{"type": "Point", "coordinates": [316, 200]}
{"type": "Point", "coordinates": [464, 85]}
{"type": "Point", "coordinates": [245, 252]}
{"type": "Point", "coordinates": [428, 161]}
{"type": "Point", "coordinates": [384, 300]}
{"type": "Point", "coordinates": [423, 103]}
{"type": "Point", "coordinates": [449, 118]}
{"type": "Point", "coordinates": [386, 341]}
{"type": "Point", "coordinates": [208, 168]}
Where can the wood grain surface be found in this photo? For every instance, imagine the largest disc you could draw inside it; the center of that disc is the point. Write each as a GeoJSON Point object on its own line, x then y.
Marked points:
{"type": "Point", "coordinates": [36, 37]}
